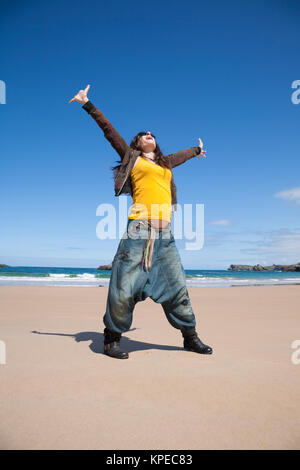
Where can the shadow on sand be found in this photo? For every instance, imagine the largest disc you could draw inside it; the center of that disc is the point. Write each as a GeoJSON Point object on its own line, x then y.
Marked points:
{"type": "Point", "coordinates": [96, 339]}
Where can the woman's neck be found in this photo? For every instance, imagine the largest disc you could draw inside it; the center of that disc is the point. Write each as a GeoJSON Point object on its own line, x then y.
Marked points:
{"type": "Point", "coordinates": [150, 155]}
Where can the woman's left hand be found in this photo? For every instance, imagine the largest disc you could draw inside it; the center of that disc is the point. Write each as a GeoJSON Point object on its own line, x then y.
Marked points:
{"type": "Point", "coordinates": [203, 152]}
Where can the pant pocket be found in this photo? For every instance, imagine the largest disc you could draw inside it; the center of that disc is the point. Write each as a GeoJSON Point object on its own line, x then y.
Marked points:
{"type": "Point", "coordinates": [137, 229]}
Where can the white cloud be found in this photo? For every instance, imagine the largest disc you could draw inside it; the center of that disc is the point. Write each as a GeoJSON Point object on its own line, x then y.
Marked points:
{"type": "Point", "coordinates": [220, 222]}
{"type": "Point", "coordinates": [279, 243]}
{"type": "Point", "coordinates": [292, 194]}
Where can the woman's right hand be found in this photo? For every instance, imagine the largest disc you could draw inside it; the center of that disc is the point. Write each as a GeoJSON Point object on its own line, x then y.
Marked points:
{"type": "Point", "coordinates": [81, 96]}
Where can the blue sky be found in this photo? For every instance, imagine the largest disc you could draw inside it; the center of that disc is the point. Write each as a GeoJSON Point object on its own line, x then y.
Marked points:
{"type": "Point", "coordinates": [219, 70]}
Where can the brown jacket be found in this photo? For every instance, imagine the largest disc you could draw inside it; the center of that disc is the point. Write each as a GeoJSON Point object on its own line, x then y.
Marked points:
{"type": "Point", "coordinates": [129, 155]}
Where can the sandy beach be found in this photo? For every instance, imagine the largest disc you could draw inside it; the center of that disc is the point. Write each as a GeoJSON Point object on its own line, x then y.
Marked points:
{"type": "Point", "coordinates": [59, 391]}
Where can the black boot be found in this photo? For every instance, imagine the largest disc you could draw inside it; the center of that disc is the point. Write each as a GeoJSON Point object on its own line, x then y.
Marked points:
{"type": "Point", "coordinates": [112, 345]}
{"type": "Point", "coordinates": [191, 342]}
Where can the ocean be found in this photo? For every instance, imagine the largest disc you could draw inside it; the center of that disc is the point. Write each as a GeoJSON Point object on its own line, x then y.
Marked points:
{"type": "Point", "coordinates": [90, 277]}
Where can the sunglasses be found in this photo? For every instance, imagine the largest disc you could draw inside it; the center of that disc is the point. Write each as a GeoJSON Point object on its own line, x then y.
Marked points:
{"type": "Point", "coordinates": [140, 134]}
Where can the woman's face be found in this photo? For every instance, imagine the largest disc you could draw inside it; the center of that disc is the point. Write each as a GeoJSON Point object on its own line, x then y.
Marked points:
{"type": "Point", "coordinates": [147, 142]}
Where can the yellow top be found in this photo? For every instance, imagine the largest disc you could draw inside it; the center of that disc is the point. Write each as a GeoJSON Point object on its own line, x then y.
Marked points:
{"type": "Point", "coordinates": [151, 191]}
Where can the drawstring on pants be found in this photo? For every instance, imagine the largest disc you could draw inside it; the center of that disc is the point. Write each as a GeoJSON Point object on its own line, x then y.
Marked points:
{"type": "Point", "coordinates": [148, 248]}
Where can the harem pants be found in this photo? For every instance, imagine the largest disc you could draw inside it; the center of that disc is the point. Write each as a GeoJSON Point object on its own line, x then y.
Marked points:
{"type": "Point", "coordinates": [164, 282]}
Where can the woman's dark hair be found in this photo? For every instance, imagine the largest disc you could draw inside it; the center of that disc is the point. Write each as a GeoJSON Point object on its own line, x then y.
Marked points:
{"type": "Point", "coordinates": [159, 158]}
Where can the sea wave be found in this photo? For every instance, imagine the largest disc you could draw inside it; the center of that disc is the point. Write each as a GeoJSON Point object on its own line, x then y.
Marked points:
{"type": "Point", "coordinates": [84, 279]}
{"type": "Point", "coordinates": [16, 275]}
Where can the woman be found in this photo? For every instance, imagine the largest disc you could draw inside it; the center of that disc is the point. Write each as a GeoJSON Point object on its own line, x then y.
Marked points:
{"type": "Point", "coordinates": [147, 262]}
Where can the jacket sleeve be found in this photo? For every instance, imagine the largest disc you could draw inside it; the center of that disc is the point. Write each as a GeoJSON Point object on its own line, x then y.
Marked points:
{"type": "Point", "coordinates": [110, 133]}
{"type": "Point", "coordinates": [182, 156]}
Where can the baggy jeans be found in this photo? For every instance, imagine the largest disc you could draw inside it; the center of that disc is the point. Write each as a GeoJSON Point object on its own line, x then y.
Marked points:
{"type": "Point", "coordinates": [164, 282]}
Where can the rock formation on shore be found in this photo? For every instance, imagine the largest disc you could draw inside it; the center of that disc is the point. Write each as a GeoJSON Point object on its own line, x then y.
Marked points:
{"type": "Point", "coordinates": [259, 267]}
{"type": "Point", "coordinates": [105, 267]}
{"type": "Point", "coordinates": [4, 266]}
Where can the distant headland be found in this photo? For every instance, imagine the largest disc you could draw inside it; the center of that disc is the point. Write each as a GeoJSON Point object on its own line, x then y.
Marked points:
{"type": "Point", "coordinates": [105, 267]}
{"type": "Point", "coordinates": [259, 267]}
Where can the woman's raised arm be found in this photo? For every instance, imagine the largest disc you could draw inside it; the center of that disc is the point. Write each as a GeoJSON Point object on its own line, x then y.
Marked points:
{"type": "Point", "coordinates": [182, 156]}
{"type": "Point", "coordinates": [110, 133]}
